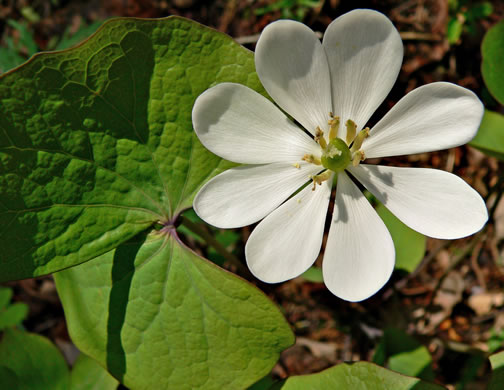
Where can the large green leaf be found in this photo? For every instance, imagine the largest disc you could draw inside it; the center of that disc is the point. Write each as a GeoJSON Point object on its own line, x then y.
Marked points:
{"type": "Point", "coordinates": [32, 362]}
{"type": "Point", "coordinates": [97, 147]}
{"type": "Point", "coordinates": [490, 136]}
{"type": "Point", "coordinates": [87, 374]}
{"type": "Point", "coordinates": [96, 142]}
{"type": "Point", "coordinates": [409, 244]}
{"type": "Point", "coordinates": [497, 363]}
{"type": "Point", "coordinates": [160, 317]}
{"type": "Point", "coordinates": [356, 376]}
{"type": "Point", "coordinates": [492, 65]}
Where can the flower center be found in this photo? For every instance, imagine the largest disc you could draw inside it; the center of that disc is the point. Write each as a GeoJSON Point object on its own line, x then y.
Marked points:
{"type": "Point", "coordinates": [336, 155]}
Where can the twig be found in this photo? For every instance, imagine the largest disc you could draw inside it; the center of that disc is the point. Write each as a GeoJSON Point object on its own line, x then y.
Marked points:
{"type": "Point", "coordinates": [474, 264]}
{"type": "Point", "coordinates": [405, 35]}
{"type": "Point", "coordinates": [246, 39]}
{"type": "Point", "coordinates": [419, 36]}
{"type": "Point", "coordinates": [201, 231]}
{"type": "Point", "coordinates": [468, 249]}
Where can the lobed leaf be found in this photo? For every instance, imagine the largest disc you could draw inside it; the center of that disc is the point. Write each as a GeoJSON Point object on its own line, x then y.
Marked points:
{"type": "Point", "coordinates": [159, 317]}
{"type": "Point", "coordinates": [96, 142]}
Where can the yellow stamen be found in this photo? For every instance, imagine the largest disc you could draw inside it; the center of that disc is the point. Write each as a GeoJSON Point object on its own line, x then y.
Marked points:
{"type": "Point", "coordinates": [319, 137]}
{"type": "Point", "coordinates": [319, 179]}
{"type": "Point", "coordinates": [334, 123]}
{"type": "Point", "coordinates": [358, 157]}
{"type": "Point", "coordinates": [310, 158]}
{"type": "Point", "coordinates": [296, 165]}
{"type": "Point", "coordinates": [351, 131]}
{"type": "Point", "coordinates": [363, 134]}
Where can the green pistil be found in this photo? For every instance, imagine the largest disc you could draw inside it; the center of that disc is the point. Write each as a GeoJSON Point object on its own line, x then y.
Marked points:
{"type": "Point", "coordinates": [336, 155]}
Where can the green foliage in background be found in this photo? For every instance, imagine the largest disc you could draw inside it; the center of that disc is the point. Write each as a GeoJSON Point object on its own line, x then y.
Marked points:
{"type": "Point", "coordinates": [464, 17]}
{"type": "Point", "coordinates": [497, 363]}
{"type": "Point", "coordinates": [490, 136]}
{"type": "Point", "coordinates": [404, 354]}
{"type": "Point", "coordinates": [29, 361]}
{"type": "Point", "coordinates": [32, 361]}
{"type": "Point", "coordinates": [355, 376]}
{"type": "Point", "coordinates": [492, 66]}
{"type": "Point", "coordinates": [409, 244]}
{"type": "Point", "coordinates": [10, 314]}
{"type": "Point", "coordinates": [289, 9]}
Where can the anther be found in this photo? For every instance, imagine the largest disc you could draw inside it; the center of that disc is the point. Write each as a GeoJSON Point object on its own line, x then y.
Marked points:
{"type": "Point", "coordinates": [363, 134]}
{"type": "Point", "coordinates": [358, 157]}
{"type": "Point", "coordinates": [351, 131]}
{"type": "Point", "coordinates": [319, 179]}
{"type": "Point", "coordinates": [319, 137]}
{"type": "Point", "coordinates": [334, 123]}
{"type": "Point", "coordinates": [310, 158]}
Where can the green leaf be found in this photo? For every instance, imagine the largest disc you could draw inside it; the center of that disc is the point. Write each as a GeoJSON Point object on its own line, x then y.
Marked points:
{"type": "Point", "coordinates": [8, 379]}
{"type": "Point", "coordinates": [355, 376]}
{"type": "Point", "coordinates": [87, 374]}
{"type": "Point", "coordinates": [492, 68]}
{"type": "Point", "coordinates": [97, 147]}
{"type": "Point", "coordinates": [454, 30]}
{"type": "Point", "coordinates": [9, 59]}
{"type": "Point", "coordinates": [26, 41]}
{"type": "Point", "coordinates": [69, 39]}
{"type": "Point", "coordinates": [5, 296]}
{"type": "Point", "coordinates": [96, 142]}
{"type": "Point", "coordinates": [404, 354]}
{"type": "Point", "coordinates": [160, 317]}
{"type": "Point", "coordinates": [490, 136]}
{"type": "Point", "coordinates": [479, 11]}
{"type": "Point", "coordinates": [409, 244]}
{"type": "Point", "coordinates": [35, 361]}
{"type": "Point", "coordinates": [13, 315]}
{"type": "Point", "coordinates": [497, 363]}
{"type": "Point", "coordinates": [313, 274]}
{"type": "Point", "coordinates": [10, 315]}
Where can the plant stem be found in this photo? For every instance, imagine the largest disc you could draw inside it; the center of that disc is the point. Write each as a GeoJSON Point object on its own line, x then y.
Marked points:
{"type": "Point", "coordinates": [201, 231]}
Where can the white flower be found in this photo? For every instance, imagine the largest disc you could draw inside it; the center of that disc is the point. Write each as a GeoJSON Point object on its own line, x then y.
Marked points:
{"type": "Point", "coordinates": [345, 78]}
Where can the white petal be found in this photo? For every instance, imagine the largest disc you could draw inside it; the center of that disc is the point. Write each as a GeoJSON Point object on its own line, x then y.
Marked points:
{"type": "Point", "coordinates": [432, 117]}
{"type": "Point", "coordinates": [433, 202]}
{"type": "Point", "coordinates": [287, 242]}
{"type": "Point", "coordinates": [365, 52]}
{"type": "Point", "coordinates": [292, 66]}
{"type": "Point", "coordinates": [244, 195]}
{"type": "Point", "coordinates": [359, 256]}
{"type": "Point", "coordinates": [240, 125]}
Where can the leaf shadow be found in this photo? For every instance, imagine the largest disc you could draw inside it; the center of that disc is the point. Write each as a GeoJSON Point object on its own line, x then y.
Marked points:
{"type": "Point", "coordinates": [123, 270]}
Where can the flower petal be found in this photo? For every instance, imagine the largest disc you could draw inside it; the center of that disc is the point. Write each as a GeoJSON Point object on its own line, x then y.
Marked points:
{"type": "Point", "coordinates": [292, 66]}
{"type": "Point", "coordinates": [288, 241]}
{"type": "Point", "coordinates": [244, 195]}
{"type": "Point", "coordinates": [359, 256]}
{"type": "Point", "coordinates": [433, 202]}
{"type": "Point", "coordinates": [240, 125]}
{"type": "Point", "coordinates": [432, 117]}
{"type": "Point", "coordinates": [365, 52]}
